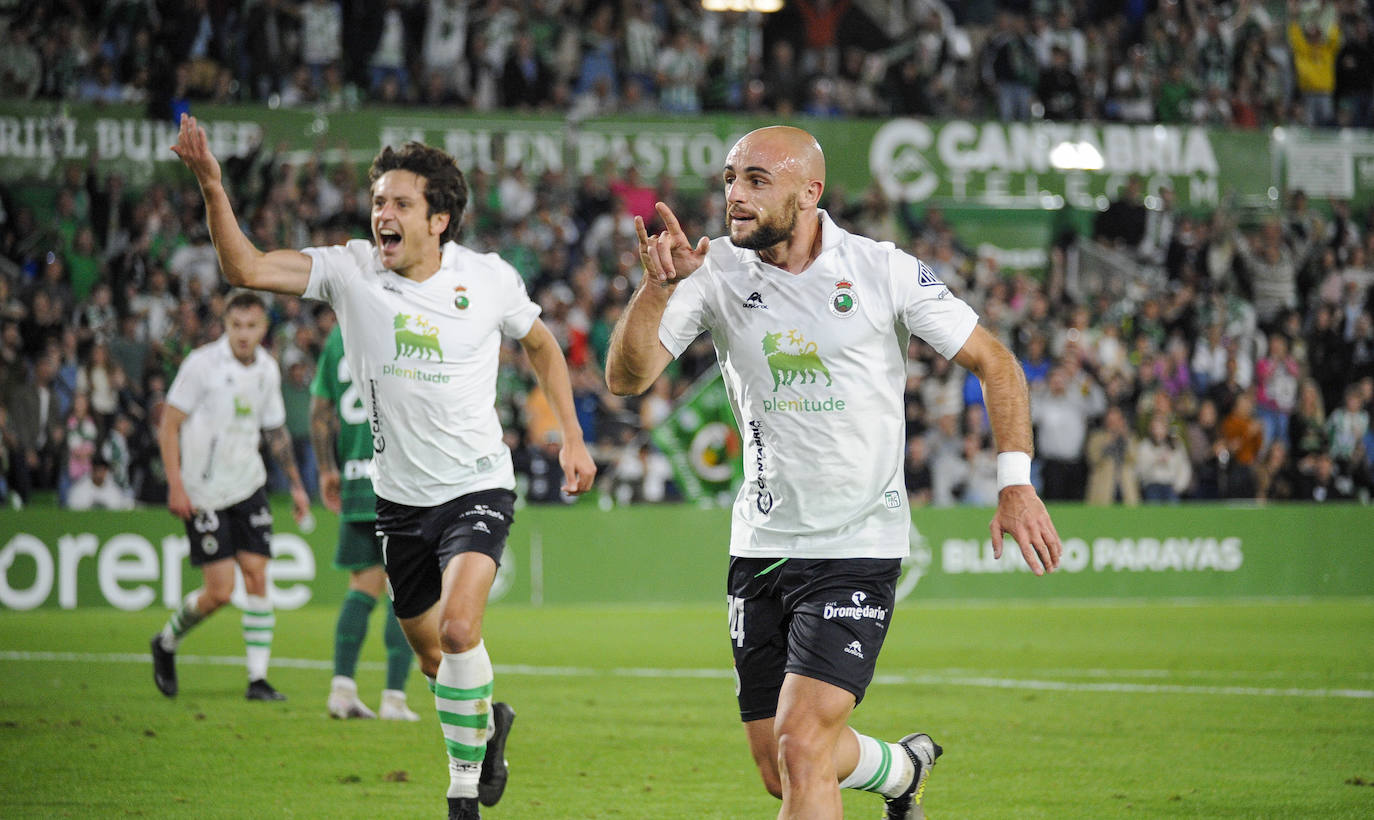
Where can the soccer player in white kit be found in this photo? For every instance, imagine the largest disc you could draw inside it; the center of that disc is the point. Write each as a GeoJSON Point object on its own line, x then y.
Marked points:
{"type": "Point", "coordinates": [811, 324]}
{"type": "Point", "coordinates": [422, 319]}
{"type": "Point", "coordinates": [225, 396]}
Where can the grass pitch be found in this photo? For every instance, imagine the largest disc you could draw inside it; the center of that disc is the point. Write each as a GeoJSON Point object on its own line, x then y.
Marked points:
{"type": "Point", "coordinates": [1241, 710]}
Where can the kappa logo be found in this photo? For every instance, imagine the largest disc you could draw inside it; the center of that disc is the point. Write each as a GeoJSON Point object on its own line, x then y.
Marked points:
{"type": "Point", "coordinates": [800, 359]}
{"type": "Point", "coordinates": [416, 344]}
{"type": "Point", "coordinates": [754, 302]}
{"type": "Point", "coordinates": [856, 649]}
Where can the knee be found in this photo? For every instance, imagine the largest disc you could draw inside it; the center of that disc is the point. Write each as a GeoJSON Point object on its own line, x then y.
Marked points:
{"type": "Point", "coordinates": [255, 581]}
{"type": "Point", "coordinates": [459, 634]}
{"type": "Point", "coordinates": [212, 599]}
{"type": "Point", "coordinates": [801, 755]}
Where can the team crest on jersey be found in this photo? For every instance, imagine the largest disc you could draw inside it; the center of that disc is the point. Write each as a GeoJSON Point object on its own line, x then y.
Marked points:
{"type": "Point", "coordinates": [420, 343]}
{"type": "Point", "coordinates": [460, 298]}
{"type": "Point", "coordinates": [842, 300]}
{"type": "Point", "coordinates": [796, 358]}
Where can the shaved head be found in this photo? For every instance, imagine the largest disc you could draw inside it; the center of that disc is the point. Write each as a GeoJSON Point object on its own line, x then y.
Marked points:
{"type": "Point", "coordinates": [784, 150]}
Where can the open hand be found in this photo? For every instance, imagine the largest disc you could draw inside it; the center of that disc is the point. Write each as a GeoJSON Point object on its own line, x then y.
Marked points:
{"type": "Point", "coordinates": [194, 150]}
{"type": "Point", "coordinates": [1022, 514]}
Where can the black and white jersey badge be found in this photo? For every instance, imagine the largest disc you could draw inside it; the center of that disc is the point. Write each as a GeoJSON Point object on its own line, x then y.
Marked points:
{"type": "Point", "coordinates": [842, 299]}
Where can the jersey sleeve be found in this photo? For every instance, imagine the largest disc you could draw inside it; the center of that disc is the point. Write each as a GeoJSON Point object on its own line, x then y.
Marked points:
{"type": "Point", "coordinates": [927, 307]}
{"type": "Point", "coordinates": [188, 388]}
{"type": "Point", "coordinates": [273, 408]}
{"type": "Point", "coordinates": [329, 269]}
{"type": "Point", "coordinates": [520, 311]}
{"type": "Point", "coordinates": [685, 316]}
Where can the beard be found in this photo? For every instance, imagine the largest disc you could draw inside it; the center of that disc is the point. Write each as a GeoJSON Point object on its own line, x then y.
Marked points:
{"type": "Point", "coordinates": [770, 232]}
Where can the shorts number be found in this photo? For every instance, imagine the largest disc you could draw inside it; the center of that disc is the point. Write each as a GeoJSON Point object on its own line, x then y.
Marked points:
{"type": "Point", "coordinates": [736, 606]}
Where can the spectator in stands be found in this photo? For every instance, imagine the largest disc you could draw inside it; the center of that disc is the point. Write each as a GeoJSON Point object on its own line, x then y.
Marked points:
{"type": "Point", "coordinates": [919, 481]}
{"type": "Point", "coordinates": [1058, 88]}
{"type": "Point", "coordinates": [1162, 463]}
{"type": "Point", "coordinates": [1132, 89]}
{"type": "Point", "coordinates": [1315, 39]}
{"type": "Point", "coordinates": [1009, 67]}
{"type": "Point", "coordinates": [1347, 425]}
{"type": "Point", "coordinates": [1354, 92]}
{"type": "Point", "coordinates": [525, 80]}
{"type": "Point", "coordinates": [321, 33]}
{"type": "Point", "coordinates": [1111, 452]}
{"type": "Point", "coordinates": [1124, 220]}
{"type": "Point", "coordinates": [1061, 420]}
{"type": "Point", "coordinates": [98, 489]}
{"type": "Point", "coordinates": [1243, 436]}
{"type": "Point", "coordinates": [1275, 478]}
{"type": "Point", "coordinates": [1325, 482]}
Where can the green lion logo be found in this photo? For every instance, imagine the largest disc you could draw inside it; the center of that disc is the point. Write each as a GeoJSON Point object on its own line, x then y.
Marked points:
{"type": "Point", "coordinates": [786, 365]}
{"type": "Point", "coordinates": [422, 345]}
{"type": "Point", "coordinates": [242, 408]}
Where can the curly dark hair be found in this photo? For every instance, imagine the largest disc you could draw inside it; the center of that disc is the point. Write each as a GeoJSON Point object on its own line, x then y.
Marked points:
{"type": "Point", "coordinates": [445, 189]}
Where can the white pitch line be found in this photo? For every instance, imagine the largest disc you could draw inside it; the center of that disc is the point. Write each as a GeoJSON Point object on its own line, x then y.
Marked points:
{"type": "Point", "coordinates": [978, 681]}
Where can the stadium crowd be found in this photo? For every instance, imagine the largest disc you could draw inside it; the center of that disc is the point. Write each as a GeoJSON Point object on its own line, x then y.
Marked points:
{"type": "Point", "coordinates": [1236, 361]}
{"type": "Point", "coordinates": [1247, 63]}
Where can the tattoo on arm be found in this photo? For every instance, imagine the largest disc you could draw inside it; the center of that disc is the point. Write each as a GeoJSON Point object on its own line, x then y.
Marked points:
{"type": "Point", "coordinates": [323, 426]}
{"type": "Point", "coordinates": [279, 442]}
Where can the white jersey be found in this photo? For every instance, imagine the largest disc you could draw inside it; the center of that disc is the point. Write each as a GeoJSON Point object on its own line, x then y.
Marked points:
{"type": "Point", "coordinates": [815, 367]}
{"type": "Point", "coordinates": [424, 356]}
{"type": "Point", "coordinates": [227, 405]}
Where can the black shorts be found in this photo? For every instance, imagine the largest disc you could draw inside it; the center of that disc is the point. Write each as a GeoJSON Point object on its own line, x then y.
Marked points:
{"type": "Point", "coordinates": [820, 618]}
{"type": "Point", "coordinates": [418, 542]}
{"type": "Point", "coordinates": [242, 527]}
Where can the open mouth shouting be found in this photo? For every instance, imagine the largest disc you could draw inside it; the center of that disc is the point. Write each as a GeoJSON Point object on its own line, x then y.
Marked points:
{"type": "Point", "coordinates": [388, 240]}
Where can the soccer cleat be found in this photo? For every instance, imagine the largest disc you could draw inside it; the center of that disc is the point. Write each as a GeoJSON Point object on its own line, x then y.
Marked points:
{"type": "Point", "coordinates": [463, 808]}
{"type": "Point", "coordinates": [344, 705]}
{"type": "Point", "coordinates": [394, 707]}
{"type": "Point", "coordinates": [260, 689]}
{"type": "Point", "coordinates": [164, 667]}
{"type": "Point", "coordinates": [923, 751]}
{"type": "Point", "coordinates": [492, 781]}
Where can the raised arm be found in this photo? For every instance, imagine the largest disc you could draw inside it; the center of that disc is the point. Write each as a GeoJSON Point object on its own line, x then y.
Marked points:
{"type": "Point", "coordinates": [636, 356]}
{"type": "Point", "coordinates": [552, 370]}
{"type": "Point", "coordinates": [1020, 512]}
{"type": "Point", "coordinates": [284, 271]}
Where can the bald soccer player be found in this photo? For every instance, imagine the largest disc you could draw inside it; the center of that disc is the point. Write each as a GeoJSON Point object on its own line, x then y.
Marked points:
{"type": "Point", "coordinates": [811, 326]}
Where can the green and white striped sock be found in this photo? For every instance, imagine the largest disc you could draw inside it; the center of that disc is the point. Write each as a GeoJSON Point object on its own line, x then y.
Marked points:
{"type": "Point", "coordinates": [883, 768]}
{"type": "Point", "coordinates": [182, 621]}
{"type": "Point", "coordinates": [462, 696]}
{"type": "Point", "coordinates": [258, 623]}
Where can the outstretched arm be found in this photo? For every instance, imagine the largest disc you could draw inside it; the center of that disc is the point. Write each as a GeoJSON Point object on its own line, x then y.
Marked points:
{"type": "Point", "coordinates": [1020, 511]}
{"type": "Point", "coordinates": [552, 369]}
{"type": "Point", "coordinates": [243, 264]}
{"type": "Point", "coordinates": [636, 356]}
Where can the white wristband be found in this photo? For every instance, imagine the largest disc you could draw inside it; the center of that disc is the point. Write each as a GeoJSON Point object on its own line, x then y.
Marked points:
{"type": "Point", "coordinates": [1013, 467]}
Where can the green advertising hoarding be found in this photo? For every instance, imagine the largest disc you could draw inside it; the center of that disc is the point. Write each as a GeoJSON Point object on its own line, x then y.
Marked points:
{"type": "Point", "coordinates": [1003, 184]}
{"type": "Point", "coordinates": [677, 554]}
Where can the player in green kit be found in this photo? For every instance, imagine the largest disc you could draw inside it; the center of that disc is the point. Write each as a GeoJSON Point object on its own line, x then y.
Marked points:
{"type": "Point", "coordinates": [338, 424]}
